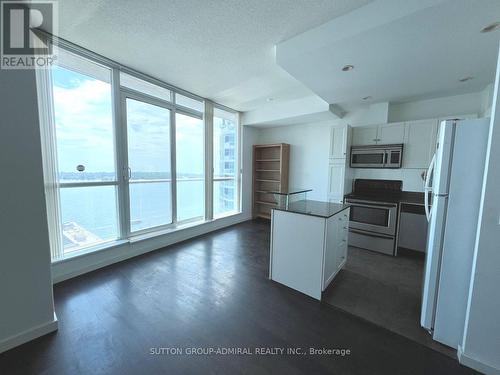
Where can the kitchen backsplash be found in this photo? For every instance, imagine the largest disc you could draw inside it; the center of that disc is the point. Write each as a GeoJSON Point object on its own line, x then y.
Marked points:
{"type": "Point", "coordinates": [412, 178]}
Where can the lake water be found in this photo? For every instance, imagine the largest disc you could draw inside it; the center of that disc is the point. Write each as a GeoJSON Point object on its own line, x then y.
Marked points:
{"type": "Point", "coordinates": [93, 211]}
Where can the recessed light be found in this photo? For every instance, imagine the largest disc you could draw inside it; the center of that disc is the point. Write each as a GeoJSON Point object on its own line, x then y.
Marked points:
{"type": "Point", "coordinates": [465, 79]}
{"type": "Point", "coordinates": [347, 68]}
{"type": "Point", "coordinates": [492, 27]}
{"type": "Point", "coordinates": [367, 97]}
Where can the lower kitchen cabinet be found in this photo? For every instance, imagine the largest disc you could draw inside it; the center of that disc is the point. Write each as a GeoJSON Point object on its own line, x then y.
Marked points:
{"type": "Point", "coordinates": [308, 245]}
{"type": "Point", "coordinates": [412, 227]}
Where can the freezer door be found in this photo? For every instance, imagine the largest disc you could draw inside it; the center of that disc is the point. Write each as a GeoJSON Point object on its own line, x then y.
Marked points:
{"type": "Point", "coordinates": [433, 261]}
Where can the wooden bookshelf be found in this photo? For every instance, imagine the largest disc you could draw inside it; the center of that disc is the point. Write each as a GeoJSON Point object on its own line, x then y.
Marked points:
{"type": "Point", "coordinates": [270, 172]}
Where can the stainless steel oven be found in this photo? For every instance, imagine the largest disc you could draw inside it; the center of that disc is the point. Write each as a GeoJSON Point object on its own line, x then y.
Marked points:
{"type": "Point", "coordinates": [379, 156]}
{"type": "Point", "coordinates": [372, 225]}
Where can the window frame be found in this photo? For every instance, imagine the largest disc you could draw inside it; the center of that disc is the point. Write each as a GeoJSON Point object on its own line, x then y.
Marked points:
{"type": "Point", "coordinates": [118, 96]}
{"type": "Point", "coordinates": [125, 94]}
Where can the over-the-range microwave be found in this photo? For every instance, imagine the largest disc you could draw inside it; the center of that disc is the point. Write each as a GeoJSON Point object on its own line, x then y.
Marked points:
{"type": "Point", "coordinates": [377, 156]}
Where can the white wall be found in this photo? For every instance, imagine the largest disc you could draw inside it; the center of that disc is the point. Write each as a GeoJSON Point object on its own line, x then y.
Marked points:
{"type": "Point", "coordinates": [481, 344]}
{"type": "Point", "coordinates": [309, 152]}
{"type": "Point", "coordinates": [25, 276]}
{"type": "Point", "coordinates": [437, 107]}
{"type": "Point", "coordinates": [250, 137]}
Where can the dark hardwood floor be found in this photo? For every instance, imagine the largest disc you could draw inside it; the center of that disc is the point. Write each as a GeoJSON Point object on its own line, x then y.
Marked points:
{"type": "Point", "coordinates": [211, 291]}
{"type": "Point", "coordinates": [384, 290]}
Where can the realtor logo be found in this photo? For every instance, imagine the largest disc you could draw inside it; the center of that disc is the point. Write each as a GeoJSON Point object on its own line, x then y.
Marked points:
{"type": "Point", "coordinates": [21, 45]}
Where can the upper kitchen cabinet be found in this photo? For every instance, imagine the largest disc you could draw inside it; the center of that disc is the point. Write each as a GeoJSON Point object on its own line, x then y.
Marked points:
{"type": "Point", "coordinates": [391, 133]}
{"type": "Point", "coordinates": [420, 143]}
{"type": "Point", "coordinates": [378, 135]}
{"type": "Point", "coordinates": [339, 141]}
{"type": "Point", "coordinates": [366, 135]}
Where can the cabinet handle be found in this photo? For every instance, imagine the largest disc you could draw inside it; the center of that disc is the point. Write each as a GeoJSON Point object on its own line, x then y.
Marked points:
{"type": "Point", "coordinates": [343, 240]}
{"type": "Point", "coordinates": [345, 227]}
{"type": "Point", "coordinates": [340, 219]}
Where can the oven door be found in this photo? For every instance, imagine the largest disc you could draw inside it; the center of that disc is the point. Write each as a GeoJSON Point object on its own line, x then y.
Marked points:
{"type": "Point", "coordinates": [368, 158]}
{"type": "Point", "coordinates": [373, 217]}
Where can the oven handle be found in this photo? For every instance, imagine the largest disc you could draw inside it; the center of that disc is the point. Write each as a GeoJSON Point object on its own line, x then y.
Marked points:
{"type": "Point", "coordinates": [371, 234]}
{"type": "Point", "coordinates": [385, 205]}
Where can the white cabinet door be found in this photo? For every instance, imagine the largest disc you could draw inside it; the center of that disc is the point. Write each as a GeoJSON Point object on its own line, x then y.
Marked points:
{"type": "Point", "coordinates": [336, 180]}
{"type": "Point", "coordinates": [391, 133]}
{"type": "Point", "coordinates": [338, 142]}
{"type": "Point", "coordinates": [366, 135]}
{"type": "Point", "coordinates": [420, 143]}
{"type": "Point", "coordinates": [330, 262]}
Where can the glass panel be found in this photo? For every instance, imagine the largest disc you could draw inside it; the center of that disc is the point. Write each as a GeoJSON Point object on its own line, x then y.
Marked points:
{"type": "Point", "coordinates": [188, 102]}
{"type": "Point", "coordinates": [84, 125]}
{"type": "Point", "coordinates": [89, 216]}
{"type": "Point", "coordinates": [225, 162]}
{"type": "Point", "coordinates": [375, 158]}
{"type": "Point", "coordinates": [190, 158]}
{"type": "Point", "coordinates": [150, 205]}
{"type": "Point", "coordinates": [370, 215]}
{"type": "Point", "coordinates": [137, 84]}
{"type": "Point", "coordinates": [395, 157]}
{"type": "Point", "coordinates": [225, 193]}
{"type": "Point", "coordinates": [148, 133]}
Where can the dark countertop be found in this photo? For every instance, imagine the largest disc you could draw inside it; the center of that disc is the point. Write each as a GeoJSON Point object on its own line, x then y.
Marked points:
{"type": "Point", "coordinates": [412, 197]}
{"type": "Point", "coordinates": [407, 197]}
{"type": "Point", "coordinates": [315, 208]}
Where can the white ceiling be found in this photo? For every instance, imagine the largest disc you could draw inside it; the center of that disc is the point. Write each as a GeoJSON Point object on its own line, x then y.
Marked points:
{"type": "Point", "coordinates": [219, 49]}
{"type": "Point", "coordinates": [401, 50]}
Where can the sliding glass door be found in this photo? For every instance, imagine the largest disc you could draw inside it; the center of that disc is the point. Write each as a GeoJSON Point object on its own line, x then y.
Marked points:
{"type": "Point", "coordinates": [148, 128]}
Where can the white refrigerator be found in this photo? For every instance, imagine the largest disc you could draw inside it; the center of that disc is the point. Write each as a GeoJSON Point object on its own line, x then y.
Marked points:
{"type": "Point", "coordinates": [452, 194]}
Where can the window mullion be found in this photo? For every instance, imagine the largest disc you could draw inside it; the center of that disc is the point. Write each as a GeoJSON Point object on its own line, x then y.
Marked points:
{"type": "Point", "coordinates": [209, 161]}
{"type": "Point", "coordinates": [173, 165]}
{"type": "Point", "coordinates": [120, 154]}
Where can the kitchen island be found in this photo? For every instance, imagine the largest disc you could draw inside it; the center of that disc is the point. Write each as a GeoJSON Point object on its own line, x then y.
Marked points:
{"type": "Point", "coordinates": [308, 245]}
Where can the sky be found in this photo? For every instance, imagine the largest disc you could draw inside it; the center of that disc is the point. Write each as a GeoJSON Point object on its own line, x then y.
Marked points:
{"type": "Point", "coordinates": [84, 130]}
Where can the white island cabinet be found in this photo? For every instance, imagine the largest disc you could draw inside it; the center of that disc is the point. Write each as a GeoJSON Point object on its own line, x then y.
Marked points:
{"type": "Point", "coordinates": [308, 245]}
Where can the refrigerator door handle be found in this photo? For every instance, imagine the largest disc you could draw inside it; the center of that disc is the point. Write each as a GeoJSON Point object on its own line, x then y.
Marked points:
{"type": "Point", "coordinates": [428, 188]}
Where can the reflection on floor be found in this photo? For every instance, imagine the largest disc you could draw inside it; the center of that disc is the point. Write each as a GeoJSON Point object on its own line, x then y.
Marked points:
{"type": "Point", "coordinates": [384, 290]}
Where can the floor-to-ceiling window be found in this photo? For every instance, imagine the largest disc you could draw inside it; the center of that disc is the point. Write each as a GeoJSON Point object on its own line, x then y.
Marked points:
{"type": "Point", "coordinates": [85, 146]}
{"type": "Point", "coordinates": [131, 157]}
{"type": "Point", "coordinates": [225, 162]}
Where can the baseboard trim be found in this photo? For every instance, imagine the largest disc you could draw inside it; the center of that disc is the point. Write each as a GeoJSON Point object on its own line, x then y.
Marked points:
{"type": "Point", "coordinates": [475, 364]}
{"type": "Point", "coordinates": [28, 335]}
